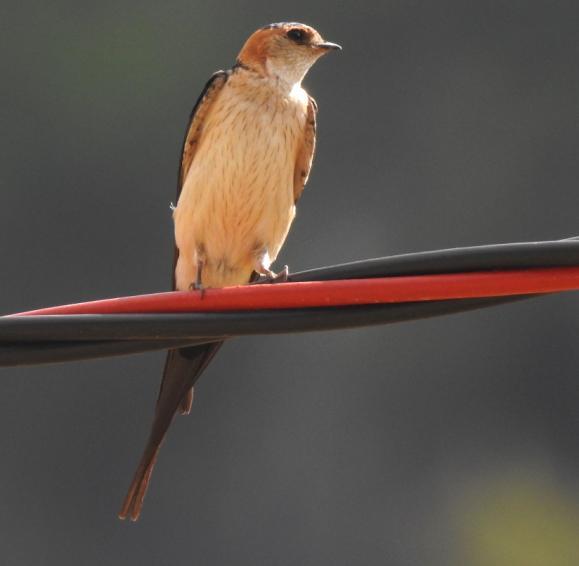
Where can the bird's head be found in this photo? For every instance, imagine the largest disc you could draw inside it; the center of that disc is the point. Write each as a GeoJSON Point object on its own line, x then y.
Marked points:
{"type": "Point", "coordinates": [285, 51]}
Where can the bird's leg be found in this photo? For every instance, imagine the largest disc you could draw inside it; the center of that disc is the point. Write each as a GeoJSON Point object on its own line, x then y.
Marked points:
{"type": "Point", "coordinates": [197, 285]}
{"type": "Point", "coordinates": [261, 267]}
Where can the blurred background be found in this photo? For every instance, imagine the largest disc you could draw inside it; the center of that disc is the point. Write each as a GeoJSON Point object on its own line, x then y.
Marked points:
{"type": "Point", "coordinates": [448, 441]}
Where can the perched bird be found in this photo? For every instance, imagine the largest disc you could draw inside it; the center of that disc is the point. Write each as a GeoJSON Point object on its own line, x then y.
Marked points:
{"type": "Point", "coordinates": [246, 157]}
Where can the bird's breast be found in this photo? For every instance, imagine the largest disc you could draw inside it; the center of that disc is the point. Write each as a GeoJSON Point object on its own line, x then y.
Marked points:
{"type": "Point", "coordinates": [238, 194]}
{"type": "Point", "coordinates": [254, 131]}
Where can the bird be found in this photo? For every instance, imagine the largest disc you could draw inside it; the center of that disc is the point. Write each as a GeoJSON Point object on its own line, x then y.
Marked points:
{"type": "Point", "coordinates": [245, 160]}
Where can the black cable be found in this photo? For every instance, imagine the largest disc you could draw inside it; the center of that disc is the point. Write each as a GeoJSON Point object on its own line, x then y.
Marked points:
{"type": "Point", "coordinates": [93, 336]}
{"type": "Point", "coordinates": [36, 353]}
{"type": "Point", "coordinates": [525, 255]}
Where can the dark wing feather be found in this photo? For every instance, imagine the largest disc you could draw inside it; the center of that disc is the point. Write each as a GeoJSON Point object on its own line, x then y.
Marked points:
{"type": "Point", "coordinates": [306, 151]}
{"type": "Point", "coordinates": [193, 133]}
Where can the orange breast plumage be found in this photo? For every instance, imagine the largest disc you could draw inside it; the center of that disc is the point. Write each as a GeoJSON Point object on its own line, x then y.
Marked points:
{"type": "Point", "coordinates": [237, 201]}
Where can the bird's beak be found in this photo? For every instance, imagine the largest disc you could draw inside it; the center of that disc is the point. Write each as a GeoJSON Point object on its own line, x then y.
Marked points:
{"type": "Point", "coordinates": [329, 46]}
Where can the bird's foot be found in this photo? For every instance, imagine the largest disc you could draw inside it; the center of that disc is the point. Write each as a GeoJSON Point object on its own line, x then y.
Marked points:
{"type": "Point", "coordinates": [281, 277]}
{"type": "Point", "coordinates": [196, 286]}
{"type": "Point", "coordinates": [264, 273]}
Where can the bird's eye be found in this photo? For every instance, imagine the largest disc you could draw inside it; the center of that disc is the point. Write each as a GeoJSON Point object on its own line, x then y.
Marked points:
{"type": "Point", "coordinates": [296, 35]}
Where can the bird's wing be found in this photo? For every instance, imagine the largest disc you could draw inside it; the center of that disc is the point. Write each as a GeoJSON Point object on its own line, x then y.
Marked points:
{"type": "Point", "coordinates": [193, 134]}
{"type": "Point", "coordinates": [196, 121]}
{"type": "Point", "coordinates": [306, 151]}
{"type": "Point", "coordinates": [184, 365]}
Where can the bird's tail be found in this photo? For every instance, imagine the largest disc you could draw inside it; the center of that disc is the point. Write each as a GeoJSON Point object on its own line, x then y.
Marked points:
{"type": "Point", "coordinates": [182, 369]}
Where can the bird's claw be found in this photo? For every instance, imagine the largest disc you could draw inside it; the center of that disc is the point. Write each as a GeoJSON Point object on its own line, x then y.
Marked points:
{"type": "Point", "coordinates": [197, 287]}
{"type": "Point", "coordinates": [270, 277]}
{"type": "Point", "coordinates": [280, 277]}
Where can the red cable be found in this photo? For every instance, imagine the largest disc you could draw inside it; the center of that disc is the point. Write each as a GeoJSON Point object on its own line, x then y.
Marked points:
{"type": "Point", "coordinates": [336, 293]}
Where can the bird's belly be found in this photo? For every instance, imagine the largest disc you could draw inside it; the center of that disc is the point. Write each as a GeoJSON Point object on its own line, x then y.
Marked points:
{"type": "Point", "coordinates": [237, 202]}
